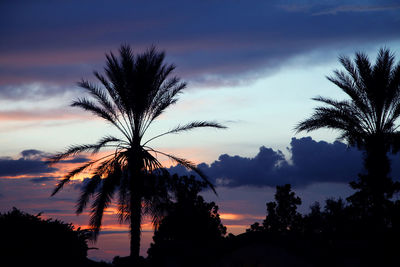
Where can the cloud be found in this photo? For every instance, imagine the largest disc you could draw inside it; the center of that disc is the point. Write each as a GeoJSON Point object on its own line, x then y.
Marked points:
{"type": "Point", "coordinates": [22, 166]}
{"type": "Point", "coordinates": [75, 160]}
{"type": "Point", "coordinates": [323, 162]}
{"type": "Point", "coordinates": [43, 179]}
{"type": "Point", "coordinates": [36, 91]}
{"type": "Point", "coordinates": [32, 154]}
{"type": "Point", "coordinates": [317, 8]}
{"type": "Point", "coordinates": [358, 8]}
{"type": "Point", "coordinates": [236, 170]}
{"type": "Point", "coordinates": [32, 162]}
{"type": "Point", "coordinates": [44, 211]}
{"type": "Point", "coordinates": [37, 115]}
{"type": "Point", "coordinates": [311, 162]}
{"type": "Point", "coordinates": [210, 41]}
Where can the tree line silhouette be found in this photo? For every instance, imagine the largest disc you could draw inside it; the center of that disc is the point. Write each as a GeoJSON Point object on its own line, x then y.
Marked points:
{"type": "Point", "coordinates": [136, 89]}
{"type": "Point", "coordinates": [191, 234]}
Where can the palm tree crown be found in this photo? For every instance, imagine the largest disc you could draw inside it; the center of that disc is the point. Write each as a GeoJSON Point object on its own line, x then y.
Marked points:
{"type": "Point", "coordinates": [374, 104]}
{"type": "Point", "coordinates": [134, 91]}
{"type": "Point", "coordinates": [367, 120]}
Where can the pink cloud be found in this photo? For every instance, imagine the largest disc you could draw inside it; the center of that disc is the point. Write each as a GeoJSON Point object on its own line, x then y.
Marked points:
{"type": "Point", "coordinates": [40, 115]}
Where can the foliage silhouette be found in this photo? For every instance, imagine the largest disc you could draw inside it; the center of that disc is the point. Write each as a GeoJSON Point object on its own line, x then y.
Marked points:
{"type": "Point", "coordinates": [190, 232]}
{"type": "Point", "coordinates": [367, 120]}
{"type": "Point", "coordinates": [335, 232]}
{"type": "Point", "coordinates": [282, 215]}
{"type": "Point", "coordinates": [313, 222]}
{"type": "Point", "coordinates": [29, 240]}
{"type": "Point", "coordinates": [135, 91]}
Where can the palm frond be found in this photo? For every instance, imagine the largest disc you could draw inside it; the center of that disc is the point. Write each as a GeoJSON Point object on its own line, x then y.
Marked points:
{"type": "Point", "coordinates": [88, 105]}
{"type": "Point", "coordinates": [187, 127]}
{"type": "Point", "coordinates": [103, 200]}
{"type": "Point", "coordinates": [100, 96]}
{"type": "Point", "coordinates": [111, 91]}
{"type": "Point", "coordinates": [77, 149]}
{"type": "Point", "coordinates": [164, 98]}
{"type": "Point", "coordinates": [151, 163]}
{"type": "Point", "coordinates": [86, 192]}
{"type": "Point", "coordinates": [123, 202]}
{"type": "Point", "coordinates": [101, 112]}
{"type": "Point", "coordinates": [67, 178]}
{"type": "Point", "coordinates": [105, 140]}
{"type": "Point", "coordinates": [76, 171]}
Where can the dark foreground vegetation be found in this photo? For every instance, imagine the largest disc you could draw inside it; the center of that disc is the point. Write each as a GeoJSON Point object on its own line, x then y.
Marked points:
{"type": "Point", "coordinates": [29, 240]}
{"type": "Point", "coordinates": [191, 234]}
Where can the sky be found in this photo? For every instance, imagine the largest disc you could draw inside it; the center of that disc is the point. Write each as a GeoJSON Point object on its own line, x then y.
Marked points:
{"type": "Point", "coordinates": [251, 65]}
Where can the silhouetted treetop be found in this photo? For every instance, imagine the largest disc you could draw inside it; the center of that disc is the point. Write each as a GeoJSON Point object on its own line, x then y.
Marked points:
{"type": "Point", "coordinates": [374, 104]}
{"type": "Point", "coordinates": [191, 226]}
{"type": "Point", "coordinates": [282, 215]}
{"type": "Point", "coordinates": [134, 91]}
{"type": "Point", "coordinates": [368, 120]}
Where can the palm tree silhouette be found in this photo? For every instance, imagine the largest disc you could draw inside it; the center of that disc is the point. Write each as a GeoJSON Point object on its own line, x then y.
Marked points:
{"type": "Point", "coordinates": [367, 120]}
{"type": "Point", "coordinates": [134, 92]}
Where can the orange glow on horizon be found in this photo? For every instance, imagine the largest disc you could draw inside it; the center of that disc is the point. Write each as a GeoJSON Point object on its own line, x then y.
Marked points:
{"type": "Point", "coordinates": [28, 176]}
{"type": "Point", "coordinates": [146, 226]}
{"type": "Point", "coordinates": [237, 217]}
{"type": "Point", "coordinates": [231, 216]}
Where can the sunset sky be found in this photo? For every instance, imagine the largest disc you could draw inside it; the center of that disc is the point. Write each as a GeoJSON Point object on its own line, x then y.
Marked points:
{"type": "Point", "coordinates": [250, 65]}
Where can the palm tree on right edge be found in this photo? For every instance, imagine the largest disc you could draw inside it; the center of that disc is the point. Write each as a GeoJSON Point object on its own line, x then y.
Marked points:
{"type": "Point", "coordinates": [133, 93]}
{"type": "Point", "coordinates": [368, 121]}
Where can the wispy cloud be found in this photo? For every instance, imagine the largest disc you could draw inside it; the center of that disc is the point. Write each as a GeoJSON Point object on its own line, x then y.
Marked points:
{"type": "Point", "coordinates": [356, 8]}
{"type": "Point", "coordinates": [296, 7]}
{"type": "Point", "coordinates": [42, 115]}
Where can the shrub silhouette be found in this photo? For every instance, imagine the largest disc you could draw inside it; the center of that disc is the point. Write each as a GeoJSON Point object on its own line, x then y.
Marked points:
{"type": "Point", "coordinates": [282, 215]}
{"type": "Point", "coordinates": [191, 228]}
{"type": "Point", "coordinates": [29, 240]}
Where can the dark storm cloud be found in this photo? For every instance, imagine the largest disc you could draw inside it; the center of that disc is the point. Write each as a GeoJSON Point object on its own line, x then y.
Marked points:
{"type": "Point", "coordinates": [32, 162]}
{"type": "Point", "coordinates": [209, 41]}
{"type": "Point", "coordinates": [322, 162]}
{"type": "Point", "coordinates": [44, 211]}
{"type": "Point", "coordinates": [236, 170]}
{"type": "Point", "coordinates": [28, 164]}
{"type": "Point", "coordinates": [43, 179]}
{"type": "Point", "coordinates": [76, 160]}
{"type": "Point", "coordinates": [312, 162]}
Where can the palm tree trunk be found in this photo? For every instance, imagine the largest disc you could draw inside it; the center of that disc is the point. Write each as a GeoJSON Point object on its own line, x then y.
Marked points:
{"type": "Point", "coordinates": [135, 207]}
{"type": "Point", "coordinates": [377, 183]}
{"type": "Point", "coordinates": [375, 187]}
{"type": "Point", "coordinates": [135, 225]}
